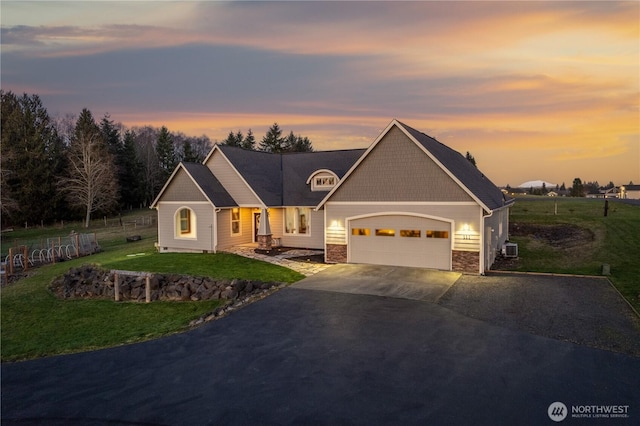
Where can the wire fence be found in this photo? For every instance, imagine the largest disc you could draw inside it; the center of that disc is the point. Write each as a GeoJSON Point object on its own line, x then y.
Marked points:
{"type": "Point", "coordinates": [50, 250]}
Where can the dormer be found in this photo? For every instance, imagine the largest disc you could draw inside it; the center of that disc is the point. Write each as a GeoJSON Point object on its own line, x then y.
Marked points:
{"type": "Point", "coordinates": [322, 180]}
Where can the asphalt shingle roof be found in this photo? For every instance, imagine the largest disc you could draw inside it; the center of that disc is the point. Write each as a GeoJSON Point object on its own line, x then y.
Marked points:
{"type": "Point", "coordinates": [469, 175]}
{"type": "Point", "coordinates": [280, 179]}
{"type": "Point", "coordinates": [261, 170]}
{"type": "Point", "coordinates": [298, 167]}
{"type": "Point", "coordinates": [211, 186]}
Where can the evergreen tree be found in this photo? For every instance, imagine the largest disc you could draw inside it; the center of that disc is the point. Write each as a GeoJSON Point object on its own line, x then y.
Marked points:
{"type": "Point", "coordinates": [111, 136]}
{"type": "Point", "coordinates": [234, 139]}
{"type": "Point", "coordinates": [32, 156]}
{"type": "Point", "coordinates": [293, 143]}
{"type": "Point", "coordinates": [92, 180]}
{"type": "Point", "coordinates": [188, 154]}
{"type": "Point", "coordinates": [166, 155]}
{"type": "Point", "coordinates": [132, 187]}
{"type": "Point", "coordinates": [273, 141]}
{"type": "Point", "coordinates": [471, 159]}
{"type": "Point", "coordinates": [249, 141]}
{"type": "Point", "coordinates": [577, 190]}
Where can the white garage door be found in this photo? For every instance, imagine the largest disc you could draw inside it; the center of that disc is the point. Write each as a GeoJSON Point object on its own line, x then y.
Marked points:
{"type": "Point", "coordinates": [400, 240]}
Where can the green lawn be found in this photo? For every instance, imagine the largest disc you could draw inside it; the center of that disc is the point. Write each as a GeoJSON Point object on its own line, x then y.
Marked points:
{"type": "Point", "coordinates": [36, 324]}
{"type": "Point", "coordinates": [615, 240]}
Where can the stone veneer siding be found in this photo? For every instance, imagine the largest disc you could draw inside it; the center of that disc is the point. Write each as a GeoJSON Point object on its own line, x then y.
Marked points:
{"type": "Point", "coordinates": [336, 253]}
{"type": "Point", "coordinates": [465, 261]}
{"type": "Point", "coordinates": [265, 242]}
{"type": "Point", "coordinates": [462, 261]}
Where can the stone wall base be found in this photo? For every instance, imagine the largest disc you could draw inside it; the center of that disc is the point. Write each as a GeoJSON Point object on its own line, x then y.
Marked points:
{"type": "Point", "coordinates": [336, 253]}
{"type": "Point", "coordinates": [265, 242]}
{"type": "Point", "coordinates": [465, 261]}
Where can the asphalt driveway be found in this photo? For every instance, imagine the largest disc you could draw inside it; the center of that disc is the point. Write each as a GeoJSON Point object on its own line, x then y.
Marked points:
{"type": "Point", "coordinates": [326, 357]}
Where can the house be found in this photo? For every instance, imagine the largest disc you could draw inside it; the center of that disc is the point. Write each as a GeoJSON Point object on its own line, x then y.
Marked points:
{"type": "Point", "coordinates": [604, 193]}
{"type": "Point", "coordinates": [631, 192]}
{"type": "Point", "coordinates": [407, 200]}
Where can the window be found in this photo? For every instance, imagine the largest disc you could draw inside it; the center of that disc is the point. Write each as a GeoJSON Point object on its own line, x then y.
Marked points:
{"type": "Point", "coordinates": [322, 180]}
{"type": "Point", "coordinates": [296, 220]}
{"type": "Point", "coordinates": [360, 232]}
{"type": "Point", "coordinates": [185, 221]}
{"type": "Point", "coordinates": [325, 181]}
{"type": "Point", "coordinates": [385, 232]}
{"type": "Point", "coordinates": [235, 221]}
{"type": "Point", "coordinates": [437, 234]}
{"type": "Point", "coordinates": [412, 233]}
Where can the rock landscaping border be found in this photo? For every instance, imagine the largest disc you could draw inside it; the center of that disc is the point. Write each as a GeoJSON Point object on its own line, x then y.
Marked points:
{"type": "Point", "coordinates": [92, 282]}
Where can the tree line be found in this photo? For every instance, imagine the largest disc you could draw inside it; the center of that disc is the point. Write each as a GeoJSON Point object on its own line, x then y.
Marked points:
{"type": "Point", "coordinates": [70, 167]}
{"type": "Point", "coordinates": [273, 141]}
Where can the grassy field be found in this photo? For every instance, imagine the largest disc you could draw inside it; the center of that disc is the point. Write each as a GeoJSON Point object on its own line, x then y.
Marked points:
{"type": "Point", "coordinates": [595, 240]}
{"type": "Point", "coordinates": [36, 324]}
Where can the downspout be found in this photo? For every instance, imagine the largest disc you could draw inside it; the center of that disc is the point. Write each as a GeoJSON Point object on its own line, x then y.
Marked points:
{"type": "Point", "coordinates": [324, 232]}
{"type": "Point", "coordinates": [214, 233]}
{"type": "Point", "coordinates": [483, 243]}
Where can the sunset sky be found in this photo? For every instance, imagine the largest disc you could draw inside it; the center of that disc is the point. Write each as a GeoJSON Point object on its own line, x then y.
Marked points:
{"type": "Point", "coordinates": [534, 90]}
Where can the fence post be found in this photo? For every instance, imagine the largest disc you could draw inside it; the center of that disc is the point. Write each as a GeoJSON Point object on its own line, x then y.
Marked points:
{"type": "Point", "coordinates": [53, 251]}
{"type": "Point", "coordinates": [26, 257]}
{"type": "Point", "coordinates": [148, 288]}
{"type": "Point", "coordinates": [77, 241]}
{"type": "Point", "coordinates": [10, 261]}
{"type": "Point", "coordinates": [116, 287]}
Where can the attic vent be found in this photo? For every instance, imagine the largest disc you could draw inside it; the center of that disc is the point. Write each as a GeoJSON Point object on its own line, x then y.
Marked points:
{"type": "Point", "coordinates": [510, 250]}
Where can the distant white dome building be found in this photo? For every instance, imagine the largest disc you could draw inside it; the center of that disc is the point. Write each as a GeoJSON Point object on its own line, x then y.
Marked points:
{"type": "Point", "coordinates": [537, 184]}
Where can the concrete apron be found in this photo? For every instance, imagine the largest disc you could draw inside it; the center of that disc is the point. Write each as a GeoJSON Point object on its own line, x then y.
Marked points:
{"type": "Point", "coordinates": [389, 281]}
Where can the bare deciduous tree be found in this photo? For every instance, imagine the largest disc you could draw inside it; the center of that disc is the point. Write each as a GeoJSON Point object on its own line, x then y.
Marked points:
{"type": "Point", "coordinates": [91, 183]}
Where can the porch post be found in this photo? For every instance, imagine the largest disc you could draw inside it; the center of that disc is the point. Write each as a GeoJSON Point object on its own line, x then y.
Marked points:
{"type": "Point", "coordinates": [264, 236]}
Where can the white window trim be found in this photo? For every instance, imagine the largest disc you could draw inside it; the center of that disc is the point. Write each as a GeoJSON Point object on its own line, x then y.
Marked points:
{"type": "Point", "coordinates": [322, 173]}
{"type": "Point", "coordinates": [193, 224]}
{"type": "Point", "coordinates": [296, 234]}
{"type": "Point", "coordinates": [239, 222]}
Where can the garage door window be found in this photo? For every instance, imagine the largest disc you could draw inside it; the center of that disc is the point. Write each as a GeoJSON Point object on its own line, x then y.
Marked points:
{"type": "Point", "coordinates": [364, 232]}
{"type": "Point", "coordinates": [385, 232]}
{"type": "Point", "coordinates": [411, 233]}
{"type": "Point", "coordinates": [437, 234]}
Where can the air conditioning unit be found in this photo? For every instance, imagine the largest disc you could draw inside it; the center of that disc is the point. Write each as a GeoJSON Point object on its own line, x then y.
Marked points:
{"type": "Point", "coordinates": [510, 250]}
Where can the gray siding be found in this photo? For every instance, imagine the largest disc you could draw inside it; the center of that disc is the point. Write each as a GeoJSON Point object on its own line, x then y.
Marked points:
{"type": "Point", "coordinates": [231, 181]}
{"type": "Point", "coordinates": [167, 240]}
{"type": "Point", "coordinates": [496, 234]}
{"type": "Point", "coordinates": [315, 238]}
{"type": "Point", "coordinates": [276, 221]}
{"type": "Point", "coordinates": [182, 188]}
{"type": "Point", "coordinates": [225, 239]}
{"type": "Point", "coordinates": [398, 170]}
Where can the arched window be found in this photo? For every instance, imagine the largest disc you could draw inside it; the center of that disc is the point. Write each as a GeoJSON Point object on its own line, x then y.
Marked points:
{"type": "Point", "coordinates": [185, 223]}
{"type": "Point", "coordinates": [322, 180]}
